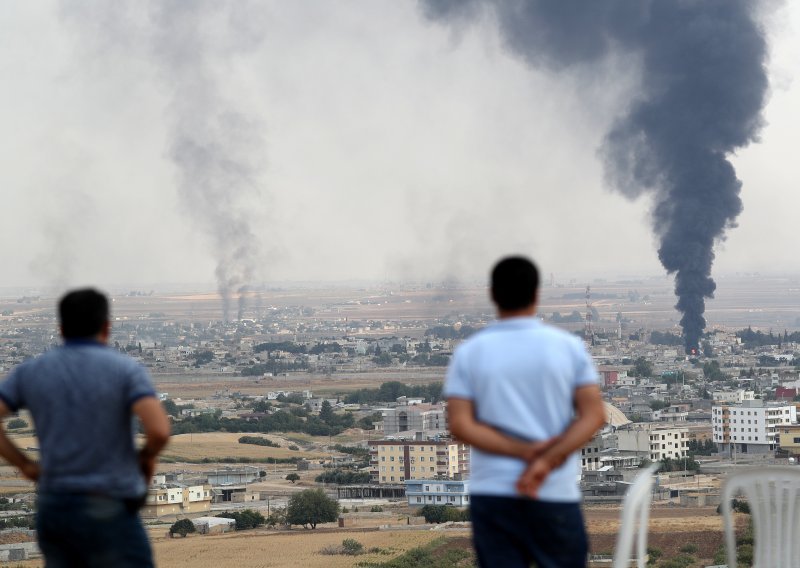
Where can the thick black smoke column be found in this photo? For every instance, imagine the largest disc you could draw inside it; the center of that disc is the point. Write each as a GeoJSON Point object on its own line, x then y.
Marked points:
{"type": "Point", "coordinates": [703, 85]}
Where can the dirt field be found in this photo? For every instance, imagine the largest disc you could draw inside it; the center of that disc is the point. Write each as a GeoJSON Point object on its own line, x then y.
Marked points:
{"type": "Point", "coordinates": [194, 447]}
{"type": "Point", "coordinates": [671, 528]}
{"type": "Point", "coordinates": [264, 548]}
{"type": "Point", "coordinates": [205, 385]}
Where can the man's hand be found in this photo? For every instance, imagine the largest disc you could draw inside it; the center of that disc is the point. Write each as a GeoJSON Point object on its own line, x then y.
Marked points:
{"type": "Point", "coordinates": [536, 449]}
{"type": "Point", "coordinates": [156, 433]}
{"type": "Point", "coordinates": [534, 475]}
{"type": "Point", "coordinates": [589, 418]}
{"type": "Point", "coordinates": [31, 470]}
{"type": "Point", "coordinates": [147, 463]}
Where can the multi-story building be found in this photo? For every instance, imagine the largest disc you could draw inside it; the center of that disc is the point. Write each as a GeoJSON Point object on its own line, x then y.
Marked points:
{"type": "Point", "coordinates": [788, 439]}
{"type": "Point", "coordinates": [654, 441]}
{"type": "Point", "coordinates": [167, 499]}
{"type": "Point", "coordinates": [732, 397]}
{"type": "Point", "coordinates": [750, 427]}
{"type": "Point", "coordinates": [414, 418]}
{"type": "Point", "coordinates": [428, 492]}
{"type": "Point", "coordinates": [396, 461]}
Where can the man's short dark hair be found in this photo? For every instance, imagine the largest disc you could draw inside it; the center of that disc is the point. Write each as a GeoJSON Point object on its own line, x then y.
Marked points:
{"type": "Point", "coordinates": [515, 280]}
{"type": "Point", "coordinates": [82, 313]}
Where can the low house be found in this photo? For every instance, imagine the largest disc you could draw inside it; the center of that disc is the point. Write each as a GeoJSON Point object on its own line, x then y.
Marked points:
{"type": "Point", "coordinates": [214, 525]}
{"type": "Point", "coordinates": [421, 492]}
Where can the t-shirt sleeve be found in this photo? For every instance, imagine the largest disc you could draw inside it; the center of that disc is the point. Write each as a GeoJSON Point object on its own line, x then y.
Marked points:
{"type": "Point", "coordinates": [10, 392]}
{"type": "Point", "coordinates": [457, 383]}
{"type": "Point", "coordinates": [139, 383]}
{"type": "Point", "coordinates": [585, 370]}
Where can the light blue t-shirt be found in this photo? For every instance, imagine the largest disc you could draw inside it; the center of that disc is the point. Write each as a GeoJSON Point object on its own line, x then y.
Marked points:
{"type": "Point", "coordinates": [521, 375]}
{"type": "Point", "coordinates": [80, 396]}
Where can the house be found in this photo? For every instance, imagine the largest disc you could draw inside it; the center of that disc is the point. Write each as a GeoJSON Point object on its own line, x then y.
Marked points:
{"type": "Point", "coordinates": [420, 492]}
{"type": "Point", "coordinates": [414, 417]}
{"type": "Point", "coordinates": [175, 499]}
{"type": "Point", "coordinates": [654, 441]}
{"type": "Point", "coordinates": [214, 525]}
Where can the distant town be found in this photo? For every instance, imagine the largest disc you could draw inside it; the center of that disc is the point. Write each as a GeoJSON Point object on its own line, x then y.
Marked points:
{"type": "Point", "coordinates": [339, 393]}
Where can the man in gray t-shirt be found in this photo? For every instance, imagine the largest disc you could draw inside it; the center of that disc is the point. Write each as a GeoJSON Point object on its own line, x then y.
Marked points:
{"type": "Point", "coordinates": [83, 397]}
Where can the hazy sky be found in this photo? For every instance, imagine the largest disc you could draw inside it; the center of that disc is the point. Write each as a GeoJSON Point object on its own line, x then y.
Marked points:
{"type": "Point", "coordinates": [334, 141]}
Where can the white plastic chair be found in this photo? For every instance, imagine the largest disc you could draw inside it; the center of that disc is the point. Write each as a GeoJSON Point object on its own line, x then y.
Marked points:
{"type": "Point", "coordinates": [635, 509]}
{"type": "Point", "coordinates": [773, 493]}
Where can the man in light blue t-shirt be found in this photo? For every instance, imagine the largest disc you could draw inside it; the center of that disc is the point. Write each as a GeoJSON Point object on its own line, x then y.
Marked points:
{"type": "Point", "coordinates": [525, 396]}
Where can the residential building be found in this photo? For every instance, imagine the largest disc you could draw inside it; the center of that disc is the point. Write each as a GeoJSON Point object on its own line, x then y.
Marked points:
{"type": "Point", "coordinates": [750, 427]}
{"type": "Point", "coordinates": [654, 441]}
{"type": "Point", "coordinates": [396, 461]}
{"type": "Point", "coordinates": [788, 439]}
{"type": "Point", "coordinates": [173, 499]}
{"type": "Point", "coordinates": [416, 417]}
{"type": "Point", "coordinates": [732, 397]}
{"type": "Point", "coordinates": [420, 492]}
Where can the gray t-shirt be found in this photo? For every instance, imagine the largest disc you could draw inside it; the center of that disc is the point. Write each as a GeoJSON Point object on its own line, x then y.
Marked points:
{"type": "Point", "coordinates": [80, 396]}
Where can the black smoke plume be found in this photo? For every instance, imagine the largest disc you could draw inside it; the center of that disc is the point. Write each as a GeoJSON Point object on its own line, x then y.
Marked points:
{"type": "Point", "coordinates": [703, 85]}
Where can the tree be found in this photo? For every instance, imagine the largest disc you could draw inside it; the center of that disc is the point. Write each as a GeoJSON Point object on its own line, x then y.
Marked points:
{"type": "Point", "coordinates": [292, 477]}
{"type": "Point", "coordinates": [642, 368]}
{"type": "Point", "coordinates": [15, 423]}
{"type": "Point", "coordinates": [326, 413]}
{"type": "Point", "coordinates": [311, 507]}
{"type": "Point", "coordinates": [182, 527]}
{"type": "Point", "coordinates": [247, 519]}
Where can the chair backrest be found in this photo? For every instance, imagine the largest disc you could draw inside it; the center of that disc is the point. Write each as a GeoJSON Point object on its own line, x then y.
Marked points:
{"type": "Point", "coordinates": [773, 494]}
{"type": "Point", "coordinates": [635, 509]}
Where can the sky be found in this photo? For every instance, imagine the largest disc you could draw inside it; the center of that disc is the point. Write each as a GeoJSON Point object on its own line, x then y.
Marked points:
{"type": "Point", "coordinates": [273, 142]}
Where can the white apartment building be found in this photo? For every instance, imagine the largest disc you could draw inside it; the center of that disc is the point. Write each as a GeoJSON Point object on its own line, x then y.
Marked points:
{"type": "Point", "coordinates": [732, 397]}
{"type": "Point", "coordinates": [750, 427]}
{"type": "Point", "coordinates": [654, 441]}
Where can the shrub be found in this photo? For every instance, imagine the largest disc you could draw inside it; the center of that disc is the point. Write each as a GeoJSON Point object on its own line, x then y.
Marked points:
{"type": "Point", "coordinates": [16, 423]}
{"type": "Point", "coordinates": [247, 519]}
{"type": "Point", "coordinates": [443, 514]}
{"type": "Point", "coordinates": [376, 509]}
{"type": "Point", "coordinates": [689, 548]}
{"type": "Point", "coordinates": [182, 527]}
{"type": "Point", "coordinates": [258, 441]}
{"type": "Point", "coordinates": [352, 547]}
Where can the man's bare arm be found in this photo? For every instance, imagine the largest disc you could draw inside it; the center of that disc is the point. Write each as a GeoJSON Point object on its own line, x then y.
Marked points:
{"type": "Point", "coordinates": [590, 416]}
{"type": "Point", "coordinates": [12, 454]}
{"type": "Point", "coordinates": [466, 427]}
{"type": "Point", "coordinates": [156, 432]}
